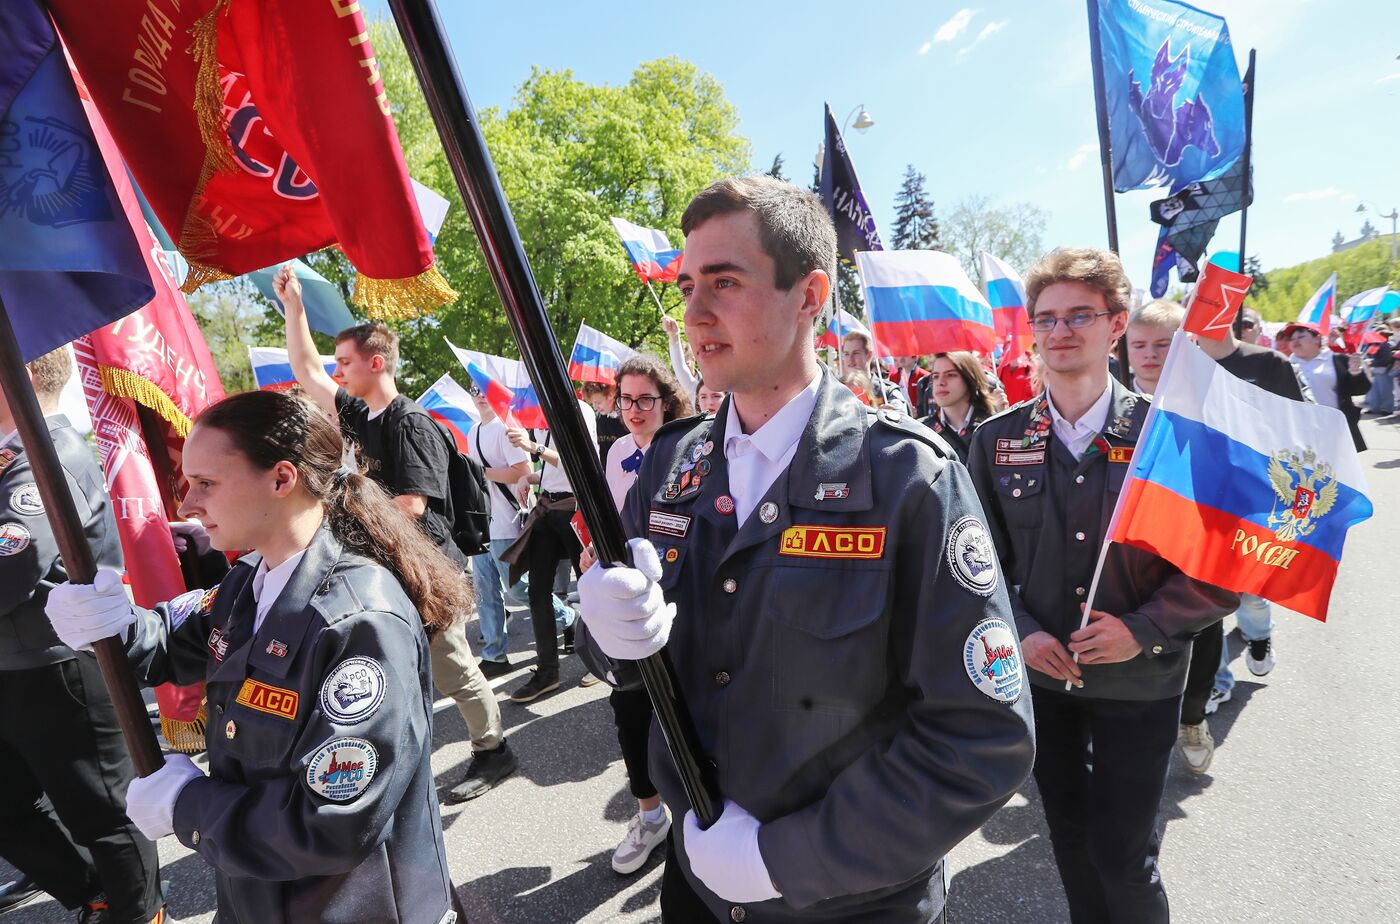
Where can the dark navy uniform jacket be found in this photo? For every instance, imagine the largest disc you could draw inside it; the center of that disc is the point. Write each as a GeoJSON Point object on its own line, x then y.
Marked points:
{"type": "Point", "coordinates": [848, 656]}
{"type": "Point", "coordinates": [30, 565]}
{"type": "Point", "coordinates": [320, 804]}
{"type": "Point", "coordinates": [1049, 513]}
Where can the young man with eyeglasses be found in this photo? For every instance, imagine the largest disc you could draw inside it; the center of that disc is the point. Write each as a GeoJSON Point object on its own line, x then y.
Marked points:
{"type": "Point", "coordinates": [1049, 472]}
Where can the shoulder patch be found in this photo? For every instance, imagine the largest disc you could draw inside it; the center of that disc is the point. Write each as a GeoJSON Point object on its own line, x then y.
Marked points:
{"type": "Point", "coordinates": [971, 559]}
{"type": "Point", "coordinates": [342, 768]}
{"type": "Point", "coordinates": [14, 538]}
{"type": "Point", "coordinates": [26, 501]}
{"type": "Point", "coordinates": [185, 605]}
{"type": "Point", "coordinates": [353, 691]}
{"type": "Point", "coordinates": [993, 661]}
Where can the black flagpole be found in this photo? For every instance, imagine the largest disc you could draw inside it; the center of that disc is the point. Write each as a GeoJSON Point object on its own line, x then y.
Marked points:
{"type": "Point", "coordinates": [78, 560]}
{"type": "Point", "coordinates": [465, 145]}
{"type": "Point", "coordinates": [1247, 154]}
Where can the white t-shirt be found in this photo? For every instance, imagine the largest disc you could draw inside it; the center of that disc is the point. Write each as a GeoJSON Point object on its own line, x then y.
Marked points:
{"type": "Point", "coordinates": [620, 480]}
{"type": "Point", "coordinates": [1321, 375]}
{"type": "Point", "coordinates": [490, 446]}
{"type": "Point", "coordinates": [552, 477]}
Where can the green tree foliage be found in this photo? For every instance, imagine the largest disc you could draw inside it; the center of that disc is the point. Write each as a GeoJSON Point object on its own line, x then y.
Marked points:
{"type": "Point", "coordinates": [1011, 232]}
{"type": "Point", "coordinates": [915, 227]}
{"type": "Point", "coordinates": [1362, 267]}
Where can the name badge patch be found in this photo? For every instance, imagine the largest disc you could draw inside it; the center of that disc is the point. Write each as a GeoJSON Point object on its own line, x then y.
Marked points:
{"type": "Point", "coordinates": [1120, 454]}
{"type": "Point", "coordinates": [353, 691]}
{"type": "Point", "coordinates": [833, 541]}
{"type": "Point", "coordinates": [1020, 456]}
{"type": "Point", "coordinates": [669, 524]}
{"type": "Point", "coordinates": [266, 698]}
{"type": "Point", "coordinates": [342, 768]}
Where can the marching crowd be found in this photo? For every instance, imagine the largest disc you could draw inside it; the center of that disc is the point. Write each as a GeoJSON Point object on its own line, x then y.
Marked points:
{"type": "Point", "coordinates": [858, 576]}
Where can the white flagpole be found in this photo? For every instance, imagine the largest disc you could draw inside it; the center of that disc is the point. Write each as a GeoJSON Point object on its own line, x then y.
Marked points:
{"type": "Point", "coordinates": [656, 298]}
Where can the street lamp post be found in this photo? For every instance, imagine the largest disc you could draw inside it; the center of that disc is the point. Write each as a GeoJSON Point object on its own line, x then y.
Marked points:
{"type": "Point", "coordinates": [862, 123]}
{"type": "Point", "coordinates": [1394, 217]}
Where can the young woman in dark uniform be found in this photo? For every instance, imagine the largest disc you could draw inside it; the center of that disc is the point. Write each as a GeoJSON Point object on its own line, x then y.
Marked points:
{"type": "Point", "coordinates": [319, 804]}
{"type": "Point", "coordinates": [958, 388]}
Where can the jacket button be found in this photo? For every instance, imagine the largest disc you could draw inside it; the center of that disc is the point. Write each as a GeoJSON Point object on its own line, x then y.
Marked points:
{"type": "Point", "coordinates": [194, 837]}
{"type": "Point", "coordinates": [1016, 493]}
{"type": "Point", "coordinates": [722, 678]}
{"type": "Point", "coordinates": [730, 585]}
{"type": "Point", "coordinates": [1156, 649]}
{"type": "Point", "coordinates": [1079, 536]}
{"type": "Point", "coordinates": [737, 913]}
{"type": "Point", "coordinates": [1079, 591]}
{"type": "Point", "coordinates": [1078, 479]}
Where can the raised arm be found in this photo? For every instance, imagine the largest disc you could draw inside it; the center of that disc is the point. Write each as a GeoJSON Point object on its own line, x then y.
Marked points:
{"type": "Point", "coordinates": [301, 349]}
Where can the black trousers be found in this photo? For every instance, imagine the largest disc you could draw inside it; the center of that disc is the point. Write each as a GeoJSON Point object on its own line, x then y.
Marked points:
{"type": "Point", "coordinates": [632, 712]}
{"type": "Point", "coordinates": [679, 903]}
{"type": "Point", "coordinates": [1101, 766]}
{"type": "Point", "coordinates": [552, 540]}
{"type": "Point", "coordinates": [64, 770]}
{"type": "Point", "coordinates": [1200, 677]}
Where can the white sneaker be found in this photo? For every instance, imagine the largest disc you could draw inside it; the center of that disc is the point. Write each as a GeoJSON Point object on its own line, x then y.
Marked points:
{"type": "Point", "coordinates": [1217, 698]}
{"type": "Point", "coordinates": [1259, 656]}
{"type": "Point", "coordinates": [641, 839]}
{"type": "Point", "coordinates": [1196, 747]}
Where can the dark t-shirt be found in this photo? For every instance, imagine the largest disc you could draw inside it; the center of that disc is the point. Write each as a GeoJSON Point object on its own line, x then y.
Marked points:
{"type": "Point", "coordinates": [610, 430]}
{"type": "Point", "coordinates": [407, 457]}
{"type": "Point", "coordinates": [1266, 368]}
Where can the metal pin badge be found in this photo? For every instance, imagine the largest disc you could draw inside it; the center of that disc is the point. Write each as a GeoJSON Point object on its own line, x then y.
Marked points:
{"type": "Point", "coordinates": [724, 504]}
{"type": "Point", "coordinates": [768, 512]}
{"type": "Point", "coordinates": [277, 649]}
{"type": "Point", "coordinates": [230, 730]}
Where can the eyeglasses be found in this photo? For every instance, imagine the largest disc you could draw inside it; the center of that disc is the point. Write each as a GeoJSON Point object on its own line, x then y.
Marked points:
{"type": "Point", "coordinates": [1249, 324]}
{"type": "Point", "coordinates": [643, 402]}
{"type": "Point", "coordinates": [1075, 320]}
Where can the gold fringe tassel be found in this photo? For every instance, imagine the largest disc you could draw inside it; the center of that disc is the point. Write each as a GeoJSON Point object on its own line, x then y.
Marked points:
{"type": "Point", "coordinates": [198, 239]}
{"type": "Point", "coordinates": [402, 298]}
{"type": "Point", "coordinates": [199, 274]}
{"type": "Point", "coordinates": [186, 737]}
{"type": "Point", "coordinates": [126, 384]}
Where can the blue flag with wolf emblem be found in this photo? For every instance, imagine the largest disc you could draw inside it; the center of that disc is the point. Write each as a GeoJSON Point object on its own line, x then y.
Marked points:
{"type": "Point", "coordinates": [1175, 100]}
{"type": "Point", "coordinates": [69, 261]}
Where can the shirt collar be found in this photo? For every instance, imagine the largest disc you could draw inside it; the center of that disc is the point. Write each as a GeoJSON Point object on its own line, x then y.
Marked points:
{"type": "Point", "coordinates": [8, 437]}
{"type": "Point", "coordinates": [1093, 419]}
{"type": "Point", "coordinates": [781, 431]}
{"type": "Point", "coordinates": [967, 418]}
{"type": "Point", "coordinates": [268, 583]}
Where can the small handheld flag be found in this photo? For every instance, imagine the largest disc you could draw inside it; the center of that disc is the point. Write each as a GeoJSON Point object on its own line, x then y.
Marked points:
{"type": "Point", "coordinates": [597, 357]}
{"type": "Point", "coordinates": [450, 405]}
{"type": "Point", "coordinates": [653, 257]}
{"type": "Point", "coordinates": [842, 322]}
{"type": "Point", "coordinates": [921, 301]}
{"type": "Point", "coordinates": [1320, 307]}
{"type": "Point", "coordinates": [1216, 301]}
{"type": "Point", "coordinates": [272, 370]}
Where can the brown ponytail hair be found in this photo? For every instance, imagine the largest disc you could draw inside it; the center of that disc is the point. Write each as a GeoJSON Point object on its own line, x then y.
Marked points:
{"type": "Point", "coordinates": [268, 427]}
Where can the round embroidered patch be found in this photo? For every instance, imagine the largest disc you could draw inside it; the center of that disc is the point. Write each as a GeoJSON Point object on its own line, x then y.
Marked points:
{"type": "Point", "coordinates": [26, 500]}
{"type": "Point", "coordinates": [14, 538]}
{"type": "Point", "coordinates": [353, 691]}
{"type": "Point", "coordinates": [993, 662]}
{"type": "Point", "coordinates": [342, 768]}
{"type": "Point", "coordinates": [971, 558]}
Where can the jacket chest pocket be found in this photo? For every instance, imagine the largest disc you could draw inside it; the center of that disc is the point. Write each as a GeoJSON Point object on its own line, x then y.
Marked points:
{"type": "Point", "coordinates": [1019, 495]}
{"type": "Point", "coordinates": [829, 643]}
{"type": "Point", "coordinates": [258, 729]}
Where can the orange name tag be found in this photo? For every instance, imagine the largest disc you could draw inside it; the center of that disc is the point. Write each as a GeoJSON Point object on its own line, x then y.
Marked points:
{"type": "Point", "coordinates": [272, 700]}
{"type": "Point", "coordinates": [833, 541]}
{"type": "Point", "coordinates": [1120, 454]}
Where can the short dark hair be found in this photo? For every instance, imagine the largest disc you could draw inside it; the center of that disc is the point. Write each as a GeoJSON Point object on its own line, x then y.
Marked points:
{"type": "Point", "coordinates": [793, 225]}
{"type": "Point", "coordinates": [373, 338]}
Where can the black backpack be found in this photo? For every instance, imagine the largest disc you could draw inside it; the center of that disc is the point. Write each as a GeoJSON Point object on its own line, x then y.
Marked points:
{"type": "Point", "coordinates": [470, 506]}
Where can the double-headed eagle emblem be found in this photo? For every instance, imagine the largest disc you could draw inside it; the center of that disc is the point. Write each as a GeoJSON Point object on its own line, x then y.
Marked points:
{"type": "Point", "coordinates": [1306, 491]}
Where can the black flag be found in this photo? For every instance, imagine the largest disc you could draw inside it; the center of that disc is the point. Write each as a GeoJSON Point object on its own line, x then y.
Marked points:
{"type": "Point", "coordinates": [1189, 215]}
{"type": "Point", "coordinates": [840, 190]}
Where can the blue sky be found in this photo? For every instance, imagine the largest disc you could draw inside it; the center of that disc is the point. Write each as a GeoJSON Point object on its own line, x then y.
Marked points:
{"type": "Point", "coordinates": [990, 98]}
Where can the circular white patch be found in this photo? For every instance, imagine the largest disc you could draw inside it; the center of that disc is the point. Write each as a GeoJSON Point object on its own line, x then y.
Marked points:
{"type": "Point", "coordinates": [971, 557]}
{"type": "Point", "coordinates": [26, 500]}
{"type": "Point", "coordinates": [993, 661]}
{"type": "Point", "coordinates": [14, 538]}
{"type": "Point", "coordinates": [342, 768]}
{"type": "Point", "coordinates": [353, 691]}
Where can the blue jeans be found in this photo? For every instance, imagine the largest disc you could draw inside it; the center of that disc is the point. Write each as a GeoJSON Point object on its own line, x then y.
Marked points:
{"type": "Point", "coordinates": [1256, 621]}
{"type": "Point", "coordinates": [1381, 397]}
{"type": "Point", "coordinates": [489, 576]}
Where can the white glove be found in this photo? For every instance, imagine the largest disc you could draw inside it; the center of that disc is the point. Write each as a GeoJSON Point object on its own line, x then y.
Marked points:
{"type": "Point", "coordinates": [150, 802]}
{"type": "Point", "coordinates": [624, 609]}
{"type": "Point", "coordinates": [83, 613]}
{"type": "Point", "coordinates": [190, 534]}
{"type": "Point", "coordinates": [726, 857]}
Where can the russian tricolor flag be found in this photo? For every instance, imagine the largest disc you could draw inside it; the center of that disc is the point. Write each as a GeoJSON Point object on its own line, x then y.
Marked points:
{"type": "Point", "coordinates": [1358, 311]}
{"type": "Point", "coordinates": [1006, 293]}
{"type": "Point", "coordinates": [450, 405]}
{"type": "Point", "coordinates": [652, 255]}
{"type": "Point", "coordinates": [272, 371]}
{"type": "Point", "coordinates": [597, 357]}
{"type": "Point", "coordinates": [1242, 488]}
{"type": "Point", "coordinates": [842, 322]}
{"type": "Point", "coordinates": [1320, 307]}
{"type": "Point", "coordinates": [921, 301]}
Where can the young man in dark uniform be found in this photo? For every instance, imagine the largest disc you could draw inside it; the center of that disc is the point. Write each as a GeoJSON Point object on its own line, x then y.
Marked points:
{"type": "Point", "coordinates": [62, 757]}
{"type": "Point", "coordinates": [821, 579]}
{"type": "Point", "coordinates": [1049, 472]}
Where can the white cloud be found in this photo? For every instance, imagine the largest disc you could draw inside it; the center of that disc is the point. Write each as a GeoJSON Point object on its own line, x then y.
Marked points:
{"type": "Point", "coordinates": [1389, 77]}
{"type": "Point", "coordinates": [990, 29]}
{"type": "Point", "coordinates": [1081, 156]}
{"type": "Point", "coordinates": [924, 48]}
{"type": "Point", "coordinates": [956, 25]}
{"type": "Point", "coordinates": [1318, 195]}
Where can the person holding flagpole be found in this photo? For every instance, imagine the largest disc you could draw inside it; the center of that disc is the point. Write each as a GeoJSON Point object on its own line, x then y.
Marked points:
{"type": "Point", "coordinates": [1107, 694]}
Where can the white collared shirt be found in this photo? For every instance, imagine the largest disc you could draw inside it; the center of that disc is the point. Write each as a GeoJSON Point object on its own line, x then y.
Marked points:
{"type": "Point", "coordinates": [755, 460]}
{"type": "Point", "coordinates": [1079, 435]}
{"type": "Point", "coordinates": [957, 428]}
{"type": "Point", "coordinates": [268, 584]}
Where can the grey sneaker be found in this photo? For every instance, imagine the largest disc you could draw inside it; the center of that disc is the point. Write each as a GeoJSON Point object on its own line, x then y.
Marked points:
{"type": "Point", "coordinates": [1218, 698]}
{"type": "Point", "coordinates": [1196, 746]}
{"type": "Point", "coordinates": [641, 839]}
{"type": "Point", "coordinates": [1259, 656]}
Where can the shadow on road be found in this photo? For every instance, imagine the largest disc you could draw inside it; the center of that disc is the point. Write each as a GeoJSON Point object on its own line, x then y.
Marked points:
{"type": "Point", "coordinates": [525, 893]}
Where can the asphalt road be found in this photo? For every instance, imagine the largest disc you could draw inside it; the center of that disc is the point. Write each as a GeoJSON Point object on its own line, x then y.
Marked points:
{"type": "Point", "coordinates": [1295, 822]}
